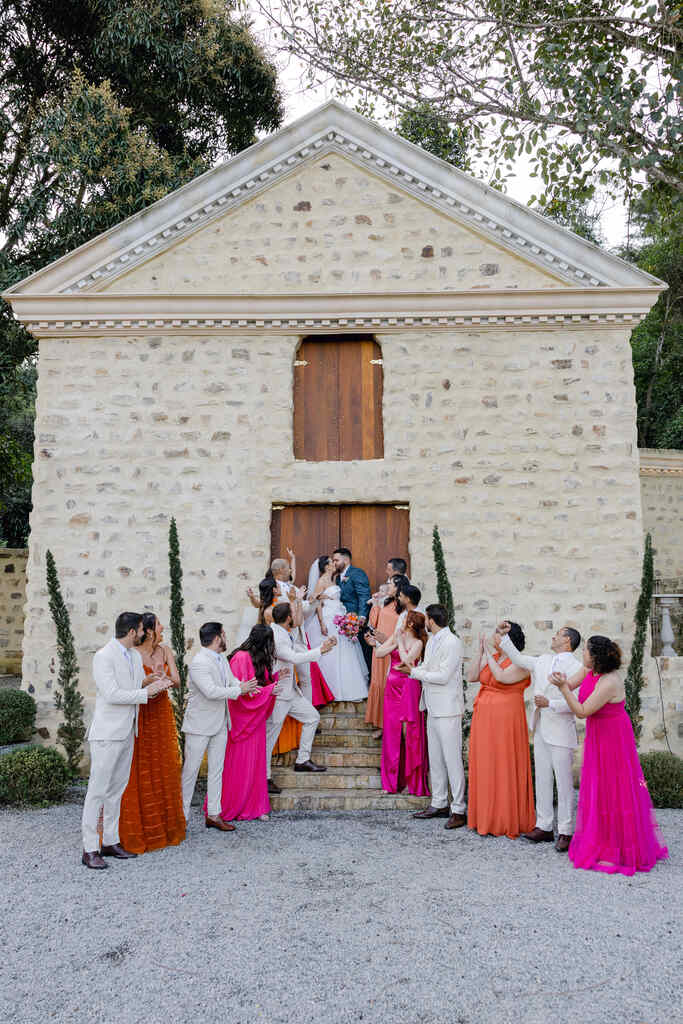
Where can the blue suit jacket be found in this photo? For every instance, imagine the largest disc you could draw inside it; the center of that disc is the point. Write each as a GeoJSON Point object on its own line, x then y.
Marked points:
{"type": "Point", "coordinates": [355, 592]}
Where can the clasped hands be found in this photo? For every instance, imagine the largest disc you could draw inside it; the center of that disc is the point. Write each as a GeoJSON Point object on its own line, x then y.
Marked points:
{"type": "Point", "coordinates": [159, 682]}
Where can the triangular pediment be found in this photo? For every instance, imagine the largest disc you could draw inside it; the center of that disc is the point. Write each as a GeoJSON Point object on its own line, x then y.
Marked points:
{"type": "Point", "coordinates": [448, 232]}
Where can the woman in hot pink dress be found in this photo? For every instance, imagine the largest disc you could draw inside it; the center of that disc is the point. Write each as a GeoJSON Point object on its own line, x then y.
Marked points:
{"type": "Point", "coordinates": [616, 830]}
{"type": "Point", "coordinates": [404, 739]}
{"type": "Point", "coordinates": [245, 784]}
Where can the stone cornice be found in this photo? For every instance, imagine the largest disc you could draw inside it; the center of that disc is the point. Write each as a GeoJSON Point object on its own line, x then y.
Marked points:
{"type": "Point", "coordinates": [661, 462]}
{"type": "Point", "coordinates": [95, 314]}
{"type": "Point", "coordinates": [334, 128]}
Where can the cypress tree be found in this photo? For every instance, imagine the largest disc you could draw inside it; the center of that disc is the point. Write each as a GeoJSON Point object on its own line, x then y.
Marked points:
{"type": "Point", "coordinates": [634, 677]}
{"type": "Point", "coordinates": [68, 699]}
{"type": "Point", "coordinates": [444, 594]}
{"type": "Point", "coordinates": [178, 693]}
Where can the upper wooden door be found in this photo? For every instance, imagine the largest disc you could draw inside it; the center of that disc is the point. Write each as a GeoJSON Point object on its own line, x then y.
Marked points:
{"type": "Point", "coordinates": [374, 533]}
{"type": "Point", "coordinates": [338, 387]}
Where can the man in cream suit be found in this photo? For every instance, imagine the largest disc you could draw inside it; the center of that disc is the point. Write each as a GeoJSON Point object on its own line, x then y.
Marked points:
{"type": "Point", "coordinates": [441, 676]}
{"type": "Point", "coordinates": [301, 609]}
{"type": "Point", "coordinates": [207, 720]}
{"type": "Point", "coordinates": [118, 672]}
{"type": "Point", "coordinates": [290, 699]}
{"type": "Point", "coordinates": [552, 723]}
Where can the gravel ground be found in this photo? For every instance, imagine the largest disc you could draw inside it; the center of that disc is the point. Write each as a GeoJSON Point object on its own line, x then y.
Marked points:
{"type": "Point", "coordinates": [332, 918]}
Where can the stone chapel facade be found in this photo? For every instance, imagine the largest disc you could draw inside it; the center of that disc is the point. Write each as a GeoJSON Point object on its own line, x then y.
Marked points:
{"type": "Point", "coordinates": [473, 369]}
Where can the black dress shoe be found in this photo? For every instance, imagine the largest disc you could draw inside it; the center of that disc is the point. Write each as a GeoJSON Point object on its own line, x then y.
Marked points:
{"type": "Point", "coordinates": [116, 850]}
{"type": "Point", "coordinates": [309, 766]}
{"type": "Point", "coordinates": [433, 812]}
{"type": "Point", "coordinates": [93, 860]}
{"type": "Point", "coordinates": [273, 787]}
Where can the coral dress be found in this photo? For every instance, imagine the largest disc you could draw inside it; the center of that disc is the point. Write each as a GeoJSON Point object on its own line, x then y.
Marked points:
{"type": "Point", "coordinates": [152, 806]}
{"type": "Point", "coordinates": [501, 795]}
{"type": "Point", "coordinates": [616, 829]}
{"type": "Point", "coordinates": [404, 759]}
{"type": "Point", "coordinates": [245, 786]}
{"type": "Point", "coordinates": [383, 619]}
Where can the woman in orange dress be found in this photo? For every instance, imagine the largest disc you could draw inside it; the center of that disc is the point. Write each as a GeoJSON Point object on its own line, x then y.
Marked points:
{"type": "Point", "coordinates": [382, 623]}
{"type": "Point", "coordinates": [501, 796]}
{"type": "Point", "coordinates": [152, 807]}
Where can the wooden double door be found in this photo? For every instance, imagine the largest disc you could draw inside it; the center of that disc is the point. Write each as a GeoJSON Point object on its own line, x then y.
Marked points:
{"type": "Point", "coordinates": [373, 533]}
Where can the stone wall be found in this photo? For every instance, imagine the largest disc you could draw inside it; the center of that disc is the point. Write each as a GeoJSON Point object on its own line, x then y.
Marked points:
{"type": "Point", "coordinates": [519, 445]}
{"type": "Point", "coordinates": [661, 486]}
{"type": "Point", "coordinates": [12, 599]}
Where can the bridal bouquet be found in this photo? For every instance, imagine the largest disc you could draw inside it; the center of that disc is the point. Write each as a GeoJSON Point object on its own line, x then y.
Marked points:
{"type": "Point", "coordinates": [348, 625]}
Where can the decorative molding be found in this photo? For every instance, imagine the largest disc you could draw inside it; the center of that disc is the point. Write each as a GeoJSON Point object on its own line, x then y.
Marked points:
{"type": "Point", "coordinates": [105, 314]}
{"type": "Point", "coordinates": [661, 462]}
{"type": "Point", "coordinates": [333, 128]}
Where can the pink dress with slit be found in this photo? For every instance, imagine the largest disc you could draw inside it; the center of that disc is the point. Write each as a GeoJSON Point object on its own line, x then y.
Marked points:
{"type": "Point", "coordinates": [616, 829]}
{"type": "Point", "coordinates": [404, 759]}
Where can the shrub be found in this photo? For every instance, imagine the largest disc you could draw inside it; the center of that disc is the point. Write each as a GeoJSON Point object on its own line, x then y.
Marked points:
{"type": "Point", "coordinates": [35, 775]}
{"type": "Point", "coordinates": [68, 699]}
{"type": "Point", "coordinates": [17, 716]}
{"type": "Point", "coordinates": [664, 776]}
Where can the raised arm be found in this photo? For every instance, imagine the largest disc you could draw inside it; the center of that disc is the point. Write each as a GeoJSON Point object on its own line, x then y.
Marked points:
{"type": "Point", "coordinates": [477, 663]}
{"type": "Point", "coordinates": [608, 688]}
{"type": "Point", "coordinates": [508, 676]}
{"type": "Point", "coordinates": [525, 661]}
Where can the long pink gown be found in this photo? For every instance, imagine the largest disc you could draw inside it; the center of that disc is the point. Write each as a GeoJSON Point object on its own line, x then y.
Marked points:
{"type": "Point", "coordinates": [616, 829]}
{"type": "Point", "coordinates": [245, 784]}
{"type": "Point", "coordinates": [404, 764]}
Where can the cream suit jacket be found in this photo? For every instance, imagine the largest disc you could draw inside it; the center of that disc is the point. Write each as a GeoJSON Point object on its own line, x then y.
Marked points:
{"type": "Point", "coordinates": [208, 696]}
{"type": "Point", "coordinates": [556, 722]}
{"type": "Point", "coordinates": [286, 656]}
{"type": "Point", "coordinates": [441, 675]}
{"type": "Point", "coordinates": [119, 692]}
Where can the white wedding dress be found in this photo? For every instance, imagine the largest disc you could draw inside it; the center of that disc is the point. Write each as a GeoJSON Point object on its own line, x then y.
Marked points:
{"type": "Point", "coordinates": [344, 666]}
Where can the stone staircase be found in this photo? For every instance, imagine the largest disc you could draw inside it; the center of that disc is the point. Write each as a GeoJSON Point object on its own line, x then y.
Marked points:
{"type": "Point", "coordinates": [344, 744]}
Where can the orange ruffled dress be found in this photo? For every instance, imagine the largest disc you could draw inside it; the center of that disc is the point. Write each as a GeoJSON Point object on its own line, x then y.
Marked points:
{"type": "Point", "coordinates": [152, 806]}
{"type": "Point", "coordinates": [383, 619]}
{"type": "Point", "coordinates": [501, 796]}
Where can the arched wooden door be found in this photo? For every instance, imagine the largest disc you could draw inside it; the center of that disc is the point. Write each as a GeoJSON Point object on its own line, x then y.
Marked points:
{"type": "Point", "coordinates": [374, 533]}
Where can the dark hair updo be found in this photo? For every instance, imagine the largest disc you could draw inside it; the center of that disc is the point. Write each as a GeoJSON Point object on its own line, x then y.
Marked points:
{"type": "Point", "coordinates": [323, 562]}
{"type": "Point", "coordinates": [149, 624]}
{"type": "Point", "coordinates": [516, 634]}
{"type": "Point", "coordinates": [400, 581]}
{"type": "Point", "coordinates": [605, 654]}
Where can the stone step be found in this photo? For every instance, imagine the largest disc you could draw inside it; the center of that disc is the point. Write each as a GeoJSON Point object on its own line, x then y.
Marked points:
{"type": "Point", "coordinates": [347, 707]}
{"type": "Point", "coordinates": [344, 720]}
{"type": "Point", "coordinates": [353, 739]}
{"type": "Point", "coordinates": [337, 778]}
{"type": "Point", "coordinates": [336, 757]}
{"type": "Point", "coordinates": [345, 800]}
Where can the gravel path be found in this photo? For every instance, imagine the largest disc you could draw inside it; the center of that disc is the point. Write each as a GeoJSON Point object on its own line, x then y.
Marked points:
{"type": "Point", "coordinates": [332, 918]}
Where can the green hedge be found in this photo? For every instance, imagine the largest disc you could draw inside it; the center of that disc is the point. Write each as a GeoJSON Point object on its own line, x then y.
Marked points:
{"type": "Point", "coordinates": [17, 716]}
{"type": "Point", "coordinates": [664, 776]}
{"type": "Point", "coordinates": [34, 775]}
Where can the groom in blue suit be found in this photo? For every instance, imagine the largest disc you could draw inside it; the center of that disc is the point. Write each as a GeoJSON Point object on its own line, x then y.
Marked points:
{"type": "Point", "coordinates": [355, 592]}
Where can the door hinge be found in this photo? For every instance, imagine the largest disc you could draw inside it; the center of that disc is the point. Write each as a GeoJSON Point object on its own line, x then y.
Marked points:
{"type": "Point", "coordinates": [301, 362]}
{"type": "Point", "coordinates": [403, 508]}
{"type": "Point", "coordinates": [278, 508]}
{"type": "Point", "coordinates": [376, 362]}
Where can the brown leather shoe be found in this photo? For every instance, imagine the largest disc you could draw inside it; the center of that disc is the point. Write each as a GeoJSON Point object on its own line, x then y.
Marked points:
{"type": "Point", "coordinates": [433, 812]}
{"type": "Point", "coordinates": [273, 787]}
{"type": "Point", "coordinates": [539, 835]}
{"type": "Point", "coordinates": [456, 821]}
{"type": "Point", "coordinates": [309, 766]}
{"type": "Point", "coordinates": [562, 844]}
{"type": "Point", "coordinates": [93, 860]}
{"type": "Point", "coordinates": [222, 826]}
{"type": "Point", "coordinates": [116, 850]}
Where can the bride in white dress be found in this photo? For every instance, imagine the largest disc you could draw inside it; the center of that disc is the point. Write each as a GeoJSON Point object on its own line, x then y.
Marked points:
{"type": "Point", "coordinates": [344, 666]}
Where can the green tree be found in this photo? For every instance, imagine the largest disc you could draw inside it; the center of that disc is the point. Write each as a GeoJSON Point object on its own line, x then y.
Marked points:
{"type": "Point", "coordinates": [178, 693]}
{"type": "Point", "coordinates": [634, 681]}
{"type": "Point", "coordinates": [107, 105]}
{"type": "Point", "coordinates": [68, 699]}
{"type": "Point", "coordinates": [587, 89]}
{"type": "Point", "coordinates": [424, 125]}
